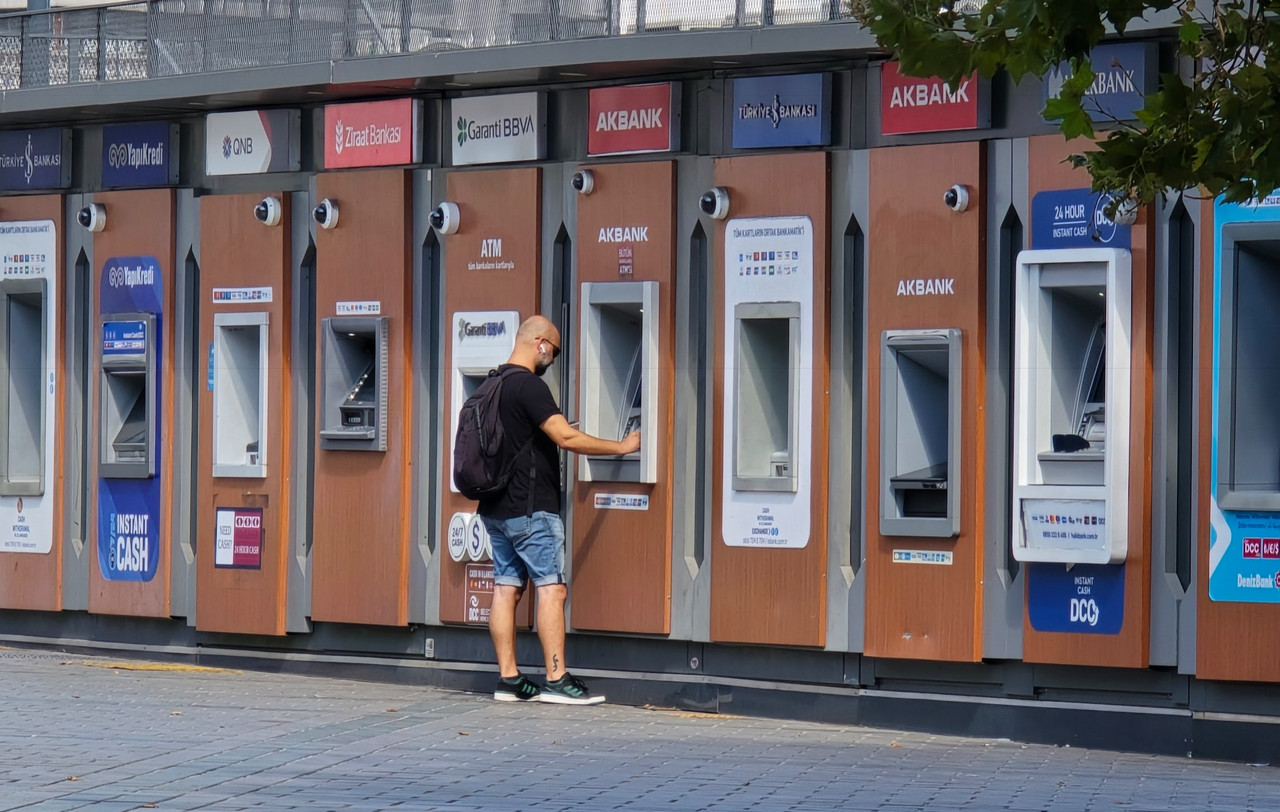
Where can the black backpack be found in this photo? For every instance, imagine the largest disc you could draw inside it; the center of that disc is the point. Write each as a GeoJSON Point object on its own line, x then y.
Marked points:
{"type": "Point", "coordinates": [482, 466]}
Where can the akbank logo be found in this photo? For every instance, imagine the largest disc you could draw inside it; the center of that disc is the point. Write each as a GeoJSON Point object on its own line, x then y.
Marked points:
{"type": "Point", "coordinates": [30, 155]}
{"type": "Point", "coordinates": [338, 139]}
{"type": "Point", "coordinates": [463, 125]}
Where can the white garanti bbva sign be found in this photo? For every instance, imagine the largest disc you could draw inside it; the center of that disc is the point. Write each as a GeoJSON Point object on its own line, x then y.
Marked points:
{"type": "Point", "coordinates": [499, 129]}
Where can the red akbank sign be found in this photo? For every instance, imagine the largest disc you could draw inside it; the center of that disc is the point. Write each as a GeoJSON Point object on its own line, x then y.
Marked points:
{"type": "Point", "coordinates": [640, 118]}
{"type": "Point", "coordinates": [383, 133]}
{"type": "Point", "coordinates": [911, 104]}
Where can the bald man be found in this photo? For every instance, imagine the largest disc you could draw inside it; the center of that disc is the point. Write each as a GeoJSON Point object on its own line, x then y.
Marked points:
{"type": "Point", "coordinates": [524, 527]}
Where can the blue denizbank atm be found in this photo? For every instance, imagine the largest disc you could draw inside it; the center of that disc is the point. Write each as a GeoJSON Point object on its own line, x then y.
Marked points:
{"type": "Point", "coordinates": [1244, 509]}
{"type": "Point", "coordinates": [129, 463]}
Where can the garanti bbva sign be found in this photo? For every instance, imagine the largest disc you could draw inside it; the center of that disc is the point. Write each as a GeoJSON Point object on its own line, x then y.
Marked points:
{"type": "Point", "coordinates": [499, 129]}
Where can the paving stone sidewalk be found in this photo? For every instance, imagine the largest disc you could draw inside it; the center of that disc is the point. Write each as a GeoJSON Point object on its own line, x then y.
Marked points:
{"type": "Point", "coordinates": [78, 733]}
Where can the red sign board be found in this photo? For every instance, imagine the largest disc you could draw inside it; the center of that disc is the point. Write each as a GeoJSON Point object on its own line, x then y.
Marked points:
{"type": "Point", "coordinates": [383, 133]}
{"type": "Point", "coordinates": [639, 118]}
{"type": "Point", "coordinates": [911, 104]}
{"type": "Point", "coordinates": [238, 538]}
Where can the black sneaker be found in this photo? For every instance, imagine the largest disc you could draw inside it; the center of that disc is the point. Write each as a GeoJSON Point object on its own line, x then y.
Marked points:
{"type": "Point", "coordinates": [520, 689]}
{"type": "Point", "coordinates": [569, 690]}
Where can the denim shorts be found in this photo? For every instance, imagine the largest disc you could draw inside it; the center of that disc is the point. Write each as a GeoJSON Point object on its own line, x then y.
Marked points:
{"type": "Point", "coordinates": [527, 548]}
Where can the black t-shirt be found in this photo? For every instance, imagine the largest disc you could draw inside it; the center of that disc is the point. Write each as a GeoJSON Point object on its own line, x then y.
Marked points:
{"type": "Point", "coordinates": [525, 405]}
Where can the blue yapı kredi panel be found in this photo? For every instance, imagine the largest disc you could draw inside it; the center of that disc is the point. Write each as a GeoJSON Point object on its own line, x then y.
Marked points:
{"type": "Point", "coordinates": [1244, 539]}
{"type": "Point", "coordinates": [129, 509]}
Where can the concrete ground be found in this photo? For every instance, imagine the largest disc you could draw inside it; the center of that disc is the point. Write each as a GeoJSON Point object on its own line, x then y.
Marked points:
{"type": "Point", "coordinates": [84, 732]}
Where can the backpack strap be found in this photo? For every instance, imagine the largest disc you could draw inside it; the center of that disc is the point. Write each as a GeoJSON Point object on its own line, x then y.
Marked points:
{"type": "Point", "coordinates": [533, 453]}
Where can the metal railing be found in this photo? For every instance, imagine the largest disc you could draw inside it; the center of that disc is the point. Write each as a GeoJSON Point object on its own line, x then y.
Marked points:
{"type": "Point", "coordinates": [142, 40]}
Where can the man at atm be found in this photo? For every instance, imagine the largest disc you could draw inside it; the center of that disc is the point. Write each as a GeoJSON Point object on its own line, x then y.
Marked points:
{"type": "Point", "coordinates": [524, 523]}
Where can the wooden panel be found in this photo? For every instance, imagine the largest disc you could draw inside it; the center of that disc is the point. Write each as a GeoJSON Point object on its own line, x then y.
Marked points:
{"type": "Point", "coordinates": [607, 543]}
{"type": "Point", "coordinates": [361, 535]}
{"type": "Point", "coordinates": [139, 223]}
{"type": "Point", "coordinates": [239, 252]}
{"type": "Point", "coordinates": [1130, 648]}
{"type": "Point", "coordinates": [33, 580]}
{"type": "Point", "coordinates": [928, 612]}
{"type": "Point", "coordinates": [761, 595]}
{"type": "Point", "coordinates": [1234, 641]}
{"type": "Point", "coordinates": [506, 205]}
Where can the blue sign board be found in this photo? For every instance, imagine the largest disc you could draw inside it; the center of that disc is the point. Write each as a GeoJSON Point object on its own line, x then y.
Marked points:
{"type": "Point", "coordinates": [1244, 545]}
{"type": "Point", "coordinates": [782, 111]}
{"type": "Point", "coordinates": [1086, 599]}
{"type": "Point", "coordinates": [32, 160]}
{"type": "Point", "coordinates": [129, 509]}
{"type": "Point", "coordinates": [1075, 218]}
{"type": "Point", "coordinates": [138, 155]}
{"type": "Point", "coordinates": [1122, 77]}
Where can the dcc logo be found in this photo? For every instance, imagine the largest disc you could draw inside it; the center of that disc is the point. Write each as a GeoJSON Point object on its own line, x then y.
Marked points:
{"type": "Point", "coordinates": [1085, 610]}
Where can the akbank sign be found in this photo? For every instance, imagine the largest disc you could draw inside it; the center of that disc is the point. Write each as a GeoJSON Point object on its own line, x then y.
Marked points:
{"type": "Point", "coordinates": [499, 129]}
{"type": "Point", "coordinates": [138, 155]}
{"type": "Point", "coordinates": [782, 111]}
{"type": "Point", "coordinates": [1123, 76]}
{"type": "Point", "coordinates": [35, 159]}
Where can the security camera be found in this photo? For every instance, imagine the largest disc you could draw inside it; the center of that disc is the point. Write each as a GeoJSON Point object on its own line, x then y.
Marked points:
{"type": "Point", "coordinates": [957, 197]}
{"type": "Point", "coordinates": [93, 217]}
{"type": "Point", "coordinates": [584, 181]}
{"type": "Point", "coordinates": [326, 214]}
{"type": "Point", "coordinates": [268, 211]}
{"type": "Point", "coordinates": [715, 203]}
{"type": "Point", "coordinates": [445, 218]}
{"type": "Point", "coordinates": [1126, 213]}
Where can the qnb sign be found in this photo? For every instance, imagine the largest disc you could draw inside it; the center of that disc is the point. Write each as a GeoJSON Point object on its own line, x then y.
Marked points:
{"type": "Point", "coordinates": [252, 141]}
{"type": "Point", "coordinates": [912, 104]}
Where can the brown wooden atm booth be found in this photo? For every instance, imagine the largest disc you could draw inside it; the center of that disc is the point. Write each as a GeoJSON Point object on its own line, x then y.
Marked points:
{"type": "Point", "coordinates": [32, 304]}
{"type": "Point", "coordinates": [246, 429]}
{"type": "Point", "coordinates": [364, 435]}
{"type": "Point", "coordinates": [926, 317]}
{"type": "Point", "coordinates": [489, 225]}
{"type": "Point", "coordinates": [769, 476]}
{"type": "Point", "coordinates": [132, 423]}
{"type": "Point", "coordinates": [1106, 619]}
{"type": "Point", "coordinates": [622, 506]}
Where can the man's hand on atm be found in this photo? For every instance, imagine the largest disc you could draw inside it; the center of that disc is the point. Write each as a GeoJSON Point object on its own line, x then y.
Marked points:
{"type": "Point", "coordinates": [579, 442]}
{"type": "Point", "coordinates": [631, 443]}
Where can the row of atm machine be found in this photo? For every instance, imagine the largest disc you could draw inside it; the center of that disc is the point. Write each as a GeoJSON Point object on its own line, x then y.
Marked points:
{"type": "Point", "coordinates": [222, 409]}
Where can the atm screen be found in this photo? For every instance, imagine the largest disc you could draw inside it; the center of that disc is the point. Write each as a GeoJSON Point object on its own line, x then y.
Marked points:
{"type": "Point", "coordinates": [1091, 394]}
{"type": "Point", "coordinates": [629, 417]}
{"type": "Point", "coordinates": [363, 391]}
{"type": "Point", "coordinates": [131, 441]}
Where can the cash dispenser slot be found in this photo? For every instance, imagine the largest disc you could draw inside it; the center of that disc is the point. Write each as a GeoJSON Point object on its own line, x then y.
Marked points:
{"type": "Point", "coordinates": [241, 342]}
{"type": "Point", "coordinates": [766, 392]}
{"type": "Point", "coordinates": [618, 381]}
{"type": "Point", "coordinates": [1249, 388]}
{"type": "Point", "coordinates": [920, 434]}
{"type": "Point", "coordinates": [23, 315]}
{"type": "Point", "coordinates": [126, 432]}
{"type": "Point", "coordinates": [355, 369]}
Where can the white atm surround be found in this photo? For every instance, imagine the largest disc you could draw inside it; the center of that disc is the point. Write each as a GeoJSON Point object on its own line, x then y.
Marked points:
{"type": "Point", "coordinates": [775, 290]}
{"type": "Point", "coordinates": [29, 386]}
{"type": "Point", "coordinates": [240, 364]}
{"type": "Point", "coordinates": [482, 340]}
{"type": "Point", "coordinates": [619, 363]}
{"type": "Point", "coordinates": [1068, 509]}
